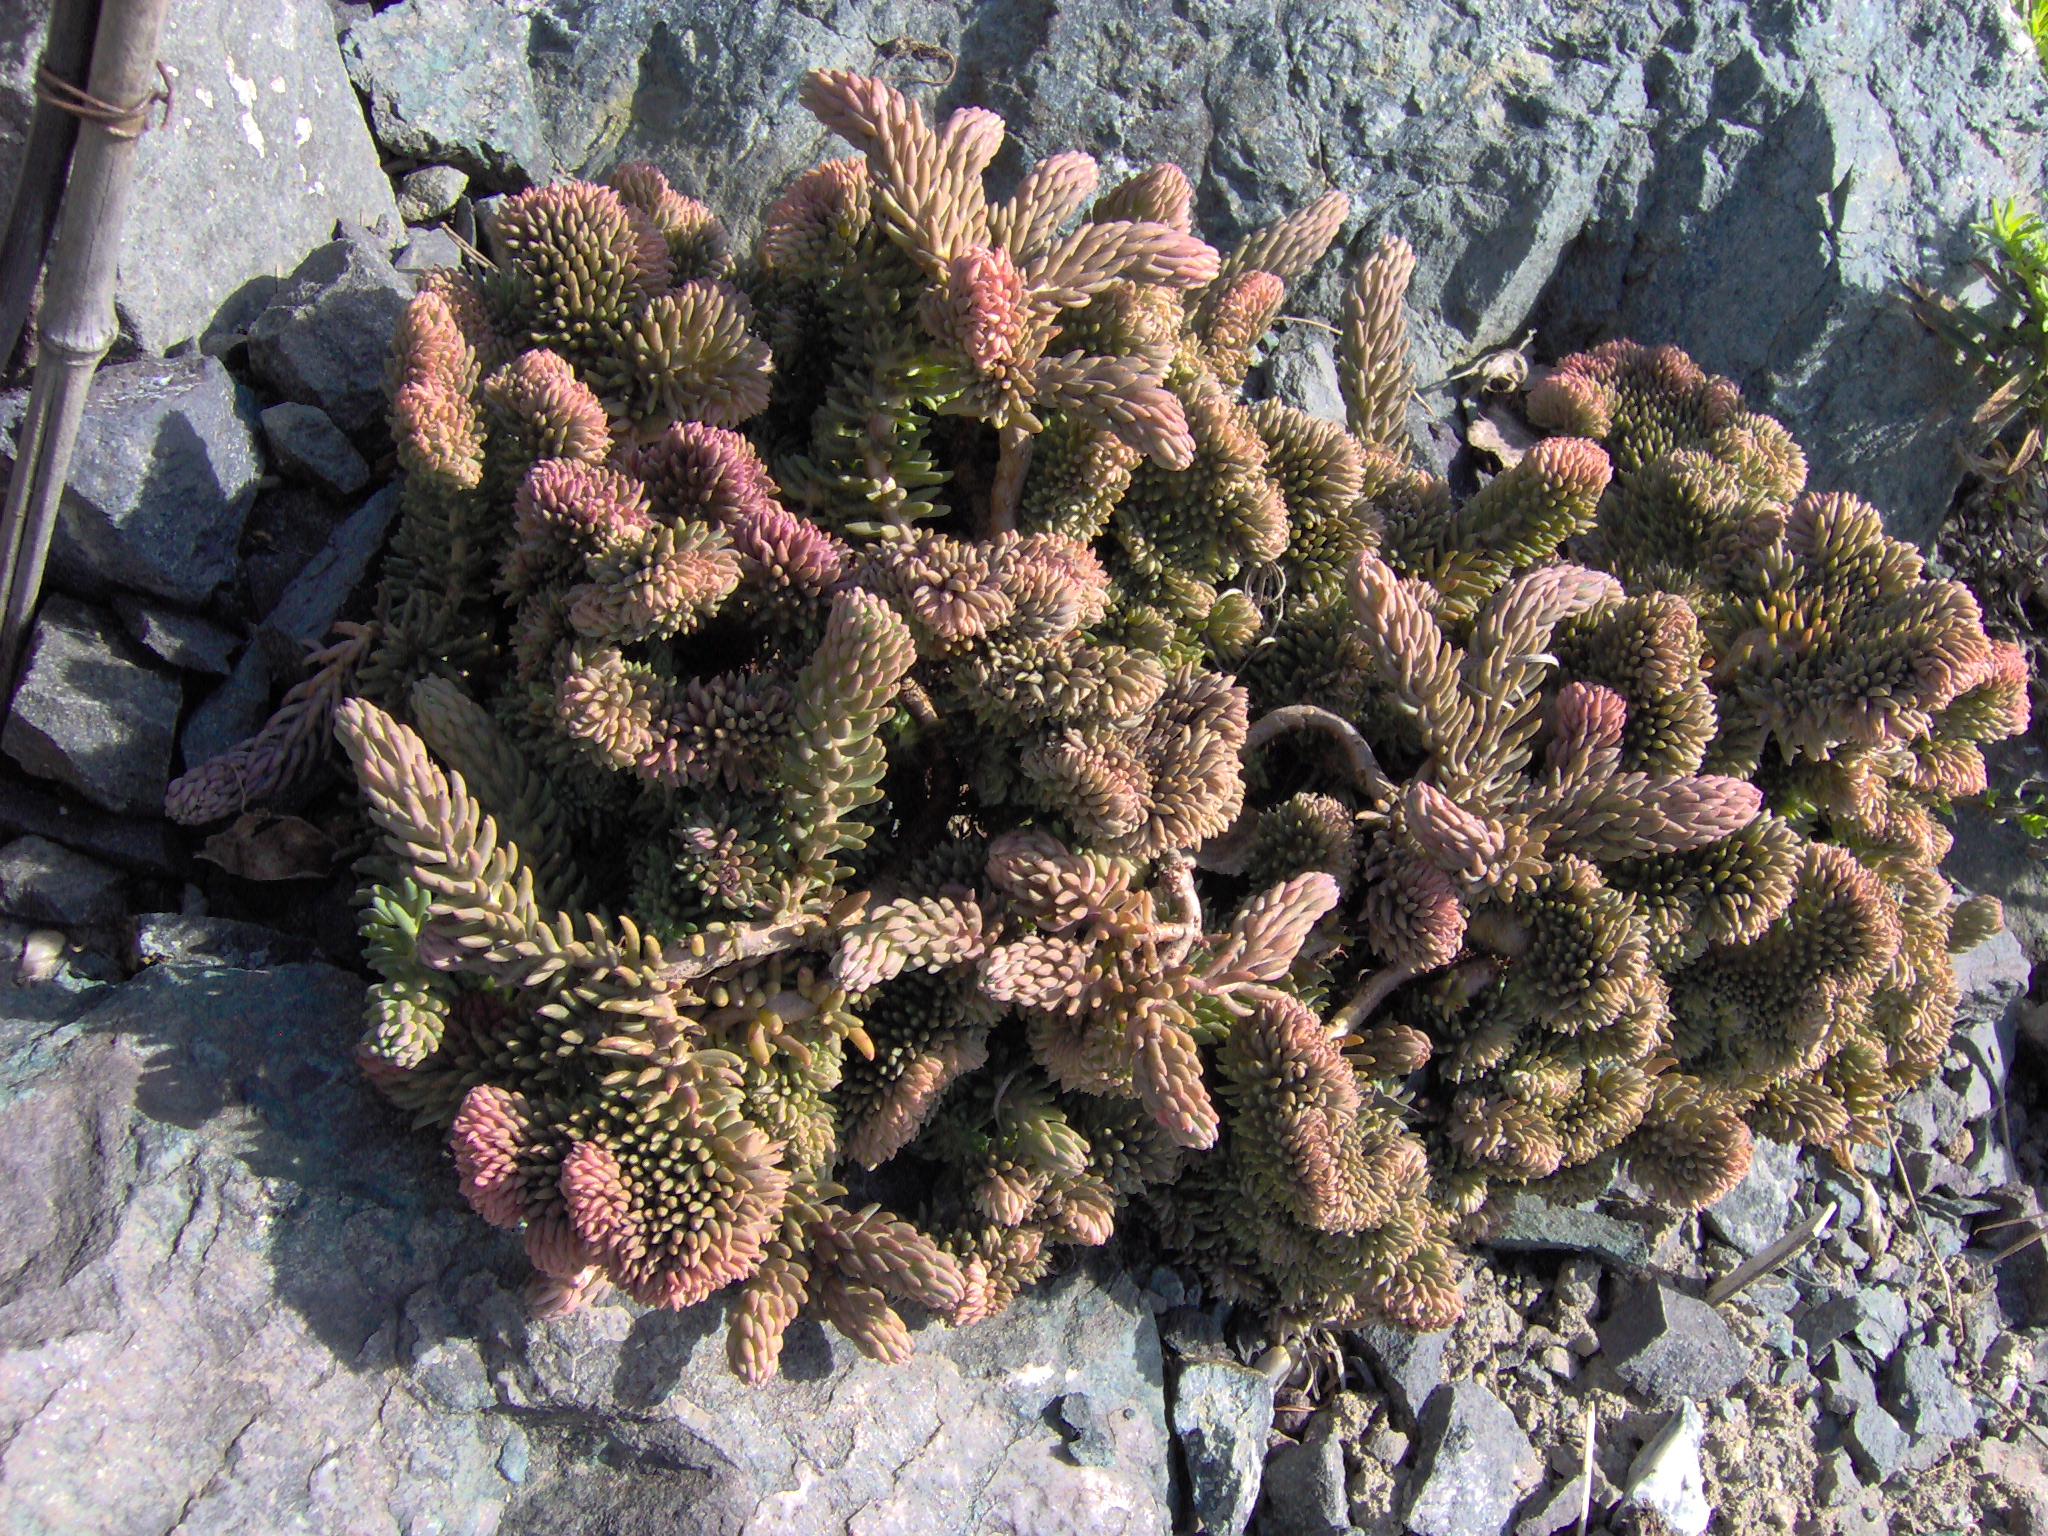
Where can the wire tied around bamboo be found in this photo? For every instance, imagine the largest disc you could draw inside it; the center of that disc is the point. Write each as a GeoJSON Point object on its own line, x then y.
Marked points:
{"type": "Point", "coordinates": [129, 122]}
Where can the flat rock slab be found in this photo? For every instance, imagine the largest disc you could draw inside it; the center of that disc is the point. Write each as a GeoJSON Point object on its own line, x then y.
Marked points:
{"type": "Point", "coordinates": [91, 714]}
{"type": "Point", "coordinates": [1471, 1455]}
{"type": "Point", "coordinates": [161, 481]}
{"type": "Point", "coordinates": [239, 1278]}
{"type": "Point", "coordinates": [265, 149]}
{"type": "Point", "coordinates": [1531, 1225]}
{"type": "Point", "coordinates": [1669, 1346]}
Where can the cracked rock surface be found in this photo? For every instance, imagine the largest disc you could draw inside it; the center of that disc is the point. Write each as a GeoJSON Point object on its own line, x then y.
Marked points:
{"type": "Point", "coordinates": [228, 1271]}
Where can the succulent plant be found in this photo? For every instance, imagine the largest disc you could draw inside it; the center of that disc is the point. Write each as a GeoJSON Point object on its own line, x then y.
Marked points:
{"type": "Point", "coordinates": [890, 717]}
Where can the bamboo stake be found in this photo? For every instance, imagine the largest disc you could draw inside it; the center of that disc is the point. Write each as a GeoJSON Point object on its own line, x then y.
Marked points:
{"type": "Point", "coordinates": [77, 326]}
{"type": "Point", "coordinates": [67, 53]}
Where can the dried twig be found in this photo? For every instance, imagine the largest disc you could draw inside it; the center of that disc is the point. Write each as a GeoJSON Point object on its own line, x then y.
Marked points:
{"type": "Point", "coordinates": [1357, 751]}
{"type": "Point", "coordinates": [1586, 1468]}
{"type": "Point", "coordinates": [1762, 1263]}
{"type": "Point", "coordinates": [1940, 1264]}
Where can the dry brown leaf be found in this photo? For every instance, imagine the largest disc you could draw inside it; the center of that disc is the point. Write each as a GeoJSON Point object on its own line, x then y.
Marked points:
{"type": "Point", "coordinates": [1503, 435]}
{"type": "Point", "coordinates": [260, 846]}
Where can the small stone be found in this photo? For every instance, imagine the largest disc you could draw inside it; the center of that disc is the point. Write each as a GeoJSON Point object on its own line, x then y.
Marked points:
{"type": "Point", "coordinates": [1410, 1366]}
{"type": "Point", "coordinates": [1222, 1414]}
{"type": "Point", "coordinates": [164, 937]}
{"type": "Point", "coordinates": [161, 480]}
{"type": "Point", "coordinates": [44, 882]}
{"type": "Point", "coordinates": [1471, 1451]}
{"type": "Point", "coordinates": [1667, 1477]}
{"type": "Point", "coordinates": [1558, 1509]}
{"type": "Point", "coordinates": [1560, 1362]}
{"type": "Point", "coordinates": [1921, 1394]}
{"type": "Point", "coordinates": [1531, 1225]}
{"type": "Point", "coordinates": [429, 250]}
{"type": "Point", "coordinates": [182, 639]}
{"type": "Point", "coordinates": [1876, 1441]}
{"type": "Point", "coordinates": [513, 1456]}
{"type": "Point", "coordinates": [1670, 1346]}
{"type": "Point", "coordinates": [1388, 1444]}
{"type": "Point", "coordinates": [429, 192]}
{"type": "Point", "coordinates": [307, 609]}
{"type": "Point", "coordinates": [1168, 1287]}
{"type": "Point", "coordinates": [1836, 1482]}
{"type": "Point", "coordinates": [1752, 1215]}
{"type": "Point", "coordinates": [1874, 1316]}
{"type": "Point", "coordinates": [1845, 1385]}
{"type": "Point", "coordinates": [307, 444]}
{"type": "Point", "coordinates": [1304, 1484]}
{"type": "Point", "coordinates": [90, 714]}
{"type": "Point", "coordinates": [324, 338]}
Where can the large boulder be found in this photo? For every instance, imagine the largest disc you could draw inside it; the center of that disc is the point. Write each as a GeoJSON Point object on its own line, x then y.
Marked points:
{"type": "Point", "coordinates": [1752, 184]}
{"type": "Point", "coordinates": [162, 479]}
{"type": "Point", "coordinates": [265, 149]}
{"type": "Point", "coordinates": [230, 1271]}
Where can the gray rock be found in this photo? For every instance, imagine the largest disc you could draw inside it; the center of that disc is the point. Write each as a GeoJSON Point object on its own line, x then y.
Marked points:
{"type": "Point", "coordinates": [1410, 1366]}
{"type": "Point", "coordinates": [1669, 1346]}
{"type": "Point", "coordinates": [1301, 369]}
{"type": "Point", "coordinates": [1929, 1116]}
{"type": "Point", "coordinates": [1557, 1508]}
{"type": "Point", "coordinates": [1472, 1451]}
{"type": "Point", "coordinates": [325, 337]}
{"type": "Point", "coordinates": [1305, 1484]}
{"type": "Point", "coordinates": [146, 847]}
{"type": "Point", "coordinates": [1933, 1411]}
{"type": "Point", "coordinates": [1751, 185]}
{"type": "Point", "coordinates": [1875, 1316]}
{"type": "Point", "coordinates": [166, 937]}
{"type": "Point", "coordinates": [183, 639]}
{"type": "Point", "coordinates": [1222, 1414]}
{"type": "Point", "coordinates": [234, 1262]}
{"type": "Point", "coordinates": [1753, 1214]}
{"type": "Point", "coordinates": [232, 713]}
{"type": "Point", "coordinates": [163, 476]}
{"type": "Point", "coordinates": [1532, 1225]}
{"type": "Point", "coordinates": [306, 443]}
{"type": "Point", "coordinates": [451, 80]}
{"type": "Point", "coordinates": [264, 149]}
{"type": "Point", "coordinates": [1666, 1475]}
{"type": "Point", "coordinates": [1388, 1445]}
{"type": "Point", "coordinates": [427, 250]}
{"type": "Point", "coordinates": [429, 192]}
{"type": "Point", "coordinates": [1993, 979]}
{"type": "Point", "coordinates": [1987, 856]}
{"type": "Point", "coordinates": [90, 713]}
{"type": "Point", "coordinates": [1845, 1384]}
{"type": "Point", "coordinates": [1875, 1442]}
{"type": "Point", "coordinates": [1092, 1444]}
{"type": "Point", "coordinates": [288, 526]}
{"type": "Point", "coordinates": [1836, 1482]}
{"type": "Point", "coordinates": [45, 882]}
{"type": "Point", "coordinates": [307, 609]}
